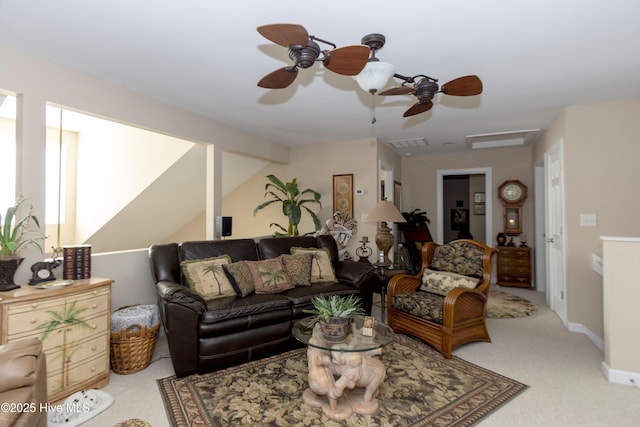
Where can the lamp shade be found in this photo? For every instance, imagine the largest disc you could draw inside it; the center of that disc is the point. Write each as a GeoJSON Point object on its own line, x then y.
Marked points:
{"type": "Point", "coordinates": [375, 75]}
{"type": "Point", "coordinates": [385, 211]}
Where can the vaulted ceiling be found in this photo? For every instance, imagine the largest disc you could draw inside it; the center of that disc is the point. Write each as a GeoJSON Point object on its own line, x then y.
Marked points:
{"type": "Point", "coordinates": [534, 58]}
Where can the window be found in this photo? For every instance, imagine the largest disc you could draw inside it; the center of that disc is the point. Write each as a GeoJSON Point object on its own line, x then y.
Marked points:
{"type": "Point", "coordinates": [7, 150]}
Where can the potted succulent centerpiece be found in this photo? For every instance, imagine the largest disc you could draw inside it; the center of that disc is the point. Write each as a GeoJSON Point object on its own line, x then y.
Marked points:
{"type": "Point", "coordinates": [15, 235]}
{"type": "Point", "coordinates": [335, 314]}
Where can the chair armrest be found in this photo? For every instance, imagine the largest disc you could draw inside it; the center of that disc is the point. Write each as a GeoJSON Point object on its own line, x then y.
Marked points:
{"type": "Point", "coordinates": [402, 284]}
{"type": "Point", "coordinates": [462, 303]}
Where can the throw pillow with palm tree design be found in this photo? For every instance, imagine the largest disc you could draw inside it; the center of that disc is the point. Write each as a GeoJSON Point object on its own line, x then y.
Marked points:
{"type": "Point", "coordinates": [207, 277]}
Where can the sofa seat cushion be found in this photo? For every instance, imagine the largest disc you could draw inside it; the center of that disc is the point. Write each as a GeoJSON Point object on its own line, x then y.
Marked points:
{"type": "Point", "coordinates": [425, 305]}
{"type": "Point", "coordinates": [224, 309]}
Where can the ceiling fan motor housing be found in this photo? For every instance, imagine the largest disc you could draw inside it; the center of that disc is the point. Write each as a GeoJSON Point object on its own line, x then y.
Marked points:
{"type": "Point", "coordinates": [306, 56]}
{"type": "Point", "coordinates": [425, 90]}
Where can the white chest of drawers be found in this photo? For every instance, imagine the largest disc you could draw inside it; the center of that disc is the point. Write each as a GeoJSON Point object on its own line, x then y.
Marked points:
{"type": "Point", "coordinates": [73, 324]}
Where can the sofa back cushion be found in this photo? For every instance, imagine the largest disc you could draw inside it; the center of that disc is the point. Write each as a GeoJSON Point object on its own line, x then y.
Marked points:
{"type": "Point", "coordinates": [237, 249]}
{"type": "Point", "coordinates": [273, 247]}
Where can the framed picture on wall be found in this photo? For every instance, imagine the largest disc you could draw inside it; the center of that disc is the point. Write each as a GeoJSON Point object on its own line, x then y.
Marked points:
{"type": "Point", "coordinates": [343, 193]}
{"type": "Point", "coordinates": [479, 209]}
{"type": "Point", "coordinates": [459, 219]}
{"type": "Point", "coordinates": [479, 197]}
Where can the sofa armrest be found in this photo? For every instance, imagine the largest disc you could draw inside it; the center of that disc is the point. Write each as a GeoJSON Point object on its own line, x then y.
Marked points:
{"type": "Point", "coordinates": [359, 274]}
{"type": "Point", "coordinates": [18, 363]}
{"type": "Point", "coordinates": [175, 293]}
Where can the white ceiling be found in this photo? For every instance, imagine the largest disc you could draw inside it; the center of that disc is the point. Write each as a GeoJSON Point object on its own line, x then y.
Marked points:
{"type": "Point", "coordinates": [534, 58]}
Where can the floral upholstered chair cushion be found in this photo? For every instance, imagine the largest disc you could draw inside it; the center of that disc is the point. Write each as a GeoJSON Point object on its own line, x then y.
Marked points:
{"type": "Point", "coordinates": [425, 305]}
{"type": "Point", "coordinates": [458, 257]}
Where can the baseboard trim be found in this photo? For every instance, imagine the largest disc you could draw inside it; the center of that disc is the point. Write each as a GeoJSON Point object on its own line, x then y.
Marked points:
{"type": "Point", "coordinates": [620, 377]}
{"type": "Point", "coordinates": [579, 327]}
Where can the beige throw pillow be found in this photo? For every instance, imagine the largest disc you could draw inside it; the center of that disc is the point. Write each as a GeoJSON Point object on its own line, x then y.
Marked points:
{"type": "Point", "coordinates": [321, 266]}
{"type": "Point", "coordinates": [206, 276]}
{"type": "Point", "coordinates": [441, 282]}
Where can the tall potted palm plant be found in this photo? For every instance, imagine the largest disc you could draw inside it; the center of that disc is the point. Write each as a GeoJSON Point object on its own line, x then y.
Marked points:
{"type": "Point", "coordinates": [15, 235]}
{"type": "Point", "coordinates": [293, 201]}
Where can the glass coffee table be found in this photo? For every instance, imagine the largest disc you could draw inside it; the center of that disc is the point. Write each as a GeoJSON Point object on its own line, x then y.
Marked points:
{"type": "Point", "coordinates": [343, 378]}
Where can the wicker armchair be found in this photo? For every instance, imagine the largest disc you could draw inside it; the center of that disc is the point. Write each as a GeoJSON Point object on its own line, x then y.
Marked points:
{"type": "Point", "coordinates": [445, 319]}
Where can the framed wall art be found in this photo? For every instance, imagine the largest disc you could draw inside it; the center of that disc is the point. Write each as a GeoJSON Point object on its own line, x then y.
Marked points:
{"type": "Point", "coordinates": [343, 193]}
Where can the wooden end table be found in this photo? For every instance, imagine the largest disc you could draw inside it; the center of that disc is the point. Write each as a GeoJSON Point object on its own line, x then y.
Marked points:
{"type": "Point", "coordinates": [359, 374]}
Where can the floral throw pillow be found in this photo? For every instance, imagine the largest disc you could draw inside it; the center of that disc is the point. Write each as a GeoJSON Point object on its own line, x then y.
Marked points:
{"type": "Point", "coordinates": [269, 276]}
{"type": "Point", "coordinates": [240, 277]}
{"type": "Point", "coordinates": [206, 276]}
{"type": "Point", "coordinates": [441, 282]}
{"type": "Point", "coordinates": [298, 267]}
{"type": "Point", "coordinates": [321, 266]}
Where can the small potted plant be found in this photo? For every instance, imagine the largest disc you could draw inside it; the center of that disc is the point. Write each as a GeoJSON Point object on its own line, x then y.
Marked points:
{"type": "Point", "coordinates": [335, 313]}
{"type": "Point", "coordinates": [15, 235]}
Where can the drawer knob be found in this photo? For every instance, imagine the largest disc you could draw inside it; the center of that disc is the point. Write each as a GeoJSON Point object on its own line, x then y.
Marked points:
{"type": "Point", "coordinates": [94, 305]}
{"type": "Point", "coordinates": [32, 321]}
{"type": "Point", "coordinates": [34, 305]}
{"type": "Point", "coordinates": [93, 369]}
{"type": "Point", "coordinates": [95, 292]}
{"type": "Point", "coordinates": [94, 326]}
{"type": "Point", "coordinates": [93, 348]}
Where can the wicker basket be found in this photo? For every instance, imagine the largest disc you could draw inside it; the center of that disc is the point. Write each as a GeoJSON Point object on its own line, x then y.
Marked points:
{"type": "Point", "coordinates": [132, 348]}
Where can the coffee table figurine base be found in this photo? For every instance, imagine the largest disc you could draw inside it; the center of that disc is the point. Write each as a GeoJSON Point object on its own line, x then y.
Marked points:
{"type": "Point", "coordinates": [352, 401]}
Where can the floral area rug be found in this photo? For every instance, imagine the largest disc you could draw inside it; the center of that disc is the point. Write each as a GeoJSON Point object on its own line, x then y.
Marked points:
{"type": "Point", "coordinates": [421, 389]}
{"type": "Point", "coordinates": [502, 305]}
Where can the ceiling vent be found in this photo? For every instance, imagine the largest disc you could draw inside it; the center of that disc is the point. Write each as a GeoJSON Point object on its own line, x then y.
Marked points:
{"type": "Point", "coordinates": [502, 139]}
{"type": "Point", "coordinates": [403, 144]}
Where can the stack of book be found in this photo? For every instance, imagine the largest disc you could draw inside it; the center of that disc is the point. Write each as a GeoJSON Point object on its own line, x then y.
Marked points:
{"type": "Point", "coordinates": [76, 262]}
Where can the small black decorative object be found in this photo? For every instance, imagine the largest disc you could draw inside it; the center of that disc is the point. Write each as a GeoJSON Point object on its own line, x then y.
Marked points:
{"type": "Point", "coordinates": [43, 271]}
{"type": "Point", "coordinates": [501, 239]}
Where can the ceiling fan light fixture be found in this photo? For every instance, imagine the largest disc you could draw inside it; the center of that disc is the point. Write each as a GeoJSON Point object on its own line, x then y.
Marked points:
{"type": "Point", "coordinates": [375, 75]}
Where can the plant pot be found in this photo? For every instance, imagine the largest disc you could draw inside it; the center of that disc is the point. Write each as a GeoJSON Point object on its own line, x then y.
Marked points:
{"type": "Point", "coordinates": [8, 268]}
{"type": "Point", "coordinates": [336, 329]}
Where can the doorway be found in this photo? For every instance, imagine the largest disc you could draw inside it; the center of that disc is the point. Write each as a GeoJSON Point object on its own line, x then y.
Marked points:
{"type": "Point", "coordinates": [485, 176]}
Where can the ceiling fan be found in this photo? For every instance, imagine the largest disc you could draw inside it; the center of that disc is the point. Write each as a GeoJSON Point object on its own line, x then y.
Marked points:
{"type": "Point", "coordinates": [424, 88]}
{"type": "Point", "coordinates": [304, 52]}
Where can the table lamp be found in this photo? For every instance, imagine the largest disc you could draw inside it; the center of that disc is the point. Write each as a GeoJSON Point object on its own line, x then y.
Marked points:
{"type": "Point", "coordinates": [384, 212]}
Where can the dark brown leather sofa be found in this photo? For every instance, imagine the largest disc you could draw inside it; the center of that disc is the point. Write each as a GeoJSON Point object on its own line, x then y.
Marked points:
{"type": "Point", "coordinates": [206, 336]}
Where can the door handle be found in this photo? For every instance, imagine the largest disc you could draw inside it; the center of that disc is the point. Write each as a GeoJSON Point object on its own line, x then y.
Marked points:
{"type": "Point", "coordinates": [550, 240]}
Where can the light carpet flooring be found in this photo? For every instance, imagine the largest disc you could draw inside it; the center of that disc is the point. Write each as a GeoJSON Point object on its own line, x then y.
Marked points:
{"type": "Point", "coordinates": [562, 368]}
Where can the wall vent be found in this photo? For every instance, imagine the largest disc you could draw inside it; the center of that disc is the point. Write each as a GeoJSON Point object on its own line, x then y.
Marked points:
{"type": "Point", "coordinates": [502, 139]}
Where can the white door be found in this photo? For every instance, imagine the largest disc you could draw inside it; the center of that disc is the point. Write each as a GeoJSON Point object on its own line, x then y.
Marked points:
{"type": "Point", "coordinates": [556, 296]}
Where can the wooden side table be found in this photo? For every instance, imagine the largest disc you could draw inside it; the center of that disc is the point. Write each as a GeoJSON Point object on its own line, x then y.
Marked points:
{"type": "Point", "coordinates": [385, 273]}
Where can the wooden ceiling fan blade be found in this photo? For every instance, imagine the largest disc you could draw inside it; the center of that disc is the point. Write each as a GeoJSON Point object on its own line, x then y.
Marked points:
{"type": "Point", "coordinates": [279, 79]}
{"type": "Point", "coordinates": [400, 90]}
{"type": "Point", "coordinates": [285, 34]}
{"type": "Point", "coordinates": [418, 108]}
{"type": "Point", "coordinates": [463, 86]}
{"type": "Point", "coordinates": [348, 60]}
